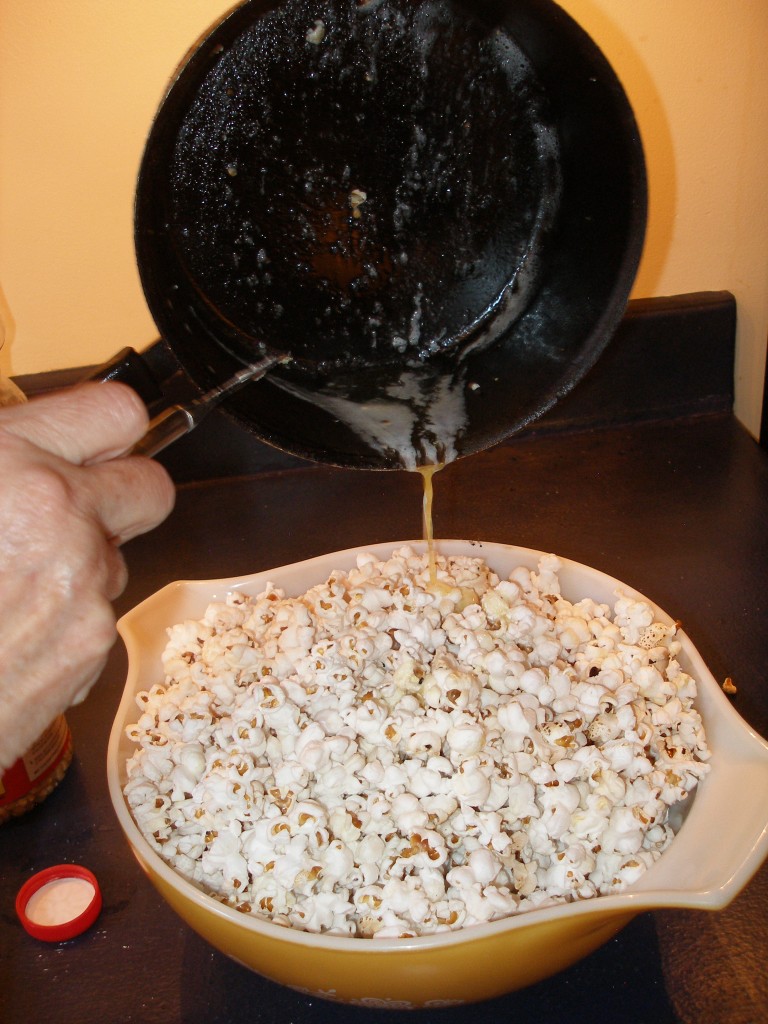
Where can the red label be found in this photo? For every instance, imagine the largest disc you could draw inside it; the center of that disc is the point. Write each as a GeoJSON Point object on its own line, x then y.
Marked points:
{"type": "Point", "coordinates": [37, 764]}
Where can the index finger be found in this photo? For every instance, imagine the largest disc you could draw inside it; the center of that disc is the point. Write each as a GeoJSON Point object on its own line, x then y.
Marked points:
{"type": "Point", "coordinates": [87, 423]}
{"type": "Point", "coordinates": [127, 496]}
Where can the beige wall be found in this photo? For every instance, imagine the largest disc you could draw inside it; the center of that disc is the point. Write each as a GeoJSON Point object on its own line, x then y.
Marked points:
{"type": "Point", "coordinates": [80, 81]}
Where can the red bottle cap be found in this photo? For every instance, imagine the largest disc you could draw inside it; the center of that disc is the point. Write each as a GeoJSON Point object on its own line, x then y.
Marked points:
{"type": "Point", "coordinates": [59, 903]}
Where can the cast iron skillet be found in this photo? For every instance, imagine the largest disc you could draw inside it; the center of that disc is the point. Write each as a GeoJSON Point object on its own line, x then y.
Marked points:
{"type": "Point", "coordinates": [437, 208]}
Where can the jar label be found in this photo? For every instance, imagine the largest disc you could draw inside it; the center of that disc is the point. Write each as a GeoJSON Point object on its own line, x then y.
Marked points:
{"type": "Point", "coordinates": [39, 761]}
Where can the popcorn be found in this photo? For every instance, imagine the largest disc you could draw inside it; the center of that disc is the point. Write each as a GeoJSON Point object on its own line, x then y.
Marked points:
{"type": "Point", "coordinates": [389, 756]}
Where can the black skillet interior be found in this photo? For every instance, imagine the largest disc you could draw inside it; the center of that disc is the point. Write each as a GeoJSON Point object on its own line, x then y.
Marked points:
{"type": "Point", "coordinates": [450, 190]}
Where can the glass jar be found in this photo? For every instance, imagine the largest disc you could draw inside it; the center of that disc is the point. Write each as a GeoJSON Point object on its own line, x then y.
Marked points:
{"type": "Point", "coordinates": [32, 777]}
{"type": "Point", "coordinates": [35, 775]}
{"type": "Point", "coordinates": [9, 393]}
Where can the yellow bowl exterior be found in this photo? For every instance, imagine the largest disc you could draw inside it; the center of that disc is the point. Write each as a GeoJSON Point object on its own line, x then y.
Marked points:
{"type": "Point", "coordinates": [407, 978]}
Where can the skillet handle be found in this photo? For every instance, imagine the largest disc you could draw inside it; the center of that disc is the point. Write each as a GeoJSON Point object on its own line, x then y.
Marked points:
{"type": "Point", "coordinates": [165, 428]}
{"type": "Point", "coordinates": [130, 367]}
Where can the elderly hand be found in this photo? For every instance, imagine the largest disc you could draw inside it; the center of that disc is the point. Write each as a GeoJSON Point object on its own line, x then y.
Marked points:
{"type": "Point", "coordinates": [67, 502]}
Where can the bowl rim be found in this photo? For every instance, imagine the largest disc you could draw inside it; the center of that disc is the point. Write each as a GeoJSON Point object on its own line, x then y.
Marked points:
{"type": "Point", "coordinates": [739, 860]}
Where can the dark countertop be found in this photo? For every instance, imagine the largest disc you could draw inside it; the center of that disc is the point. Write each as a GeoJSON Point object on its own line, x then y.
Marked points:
{"type": "Point", "coordinates": [678, 509]}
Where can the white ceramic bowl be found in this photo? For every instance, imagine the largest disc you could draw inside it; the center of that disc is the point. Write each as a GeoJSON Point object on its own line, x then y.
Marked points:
{"type": "Point", "coordinates": [485, 960]}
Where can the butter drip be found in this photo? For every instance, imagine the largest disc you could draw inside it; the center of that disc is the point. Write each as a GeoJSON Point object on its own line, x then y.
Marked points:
{"type": "Point", "coordinates": [427, 475]}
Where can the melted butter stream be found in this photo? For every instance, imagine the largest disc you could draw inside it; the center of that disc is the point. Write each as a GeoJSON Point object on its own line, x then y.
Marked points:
{"type": "Point", "coordinates": [436, 586]}
{"type": "Point", "coordinates": [427, 475]}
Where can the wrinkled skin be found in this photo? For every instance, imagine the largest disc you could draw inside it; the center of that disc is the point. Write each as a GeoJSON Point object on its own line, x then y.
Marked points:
{"type": "Point", "coordinates": [67, 503]}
